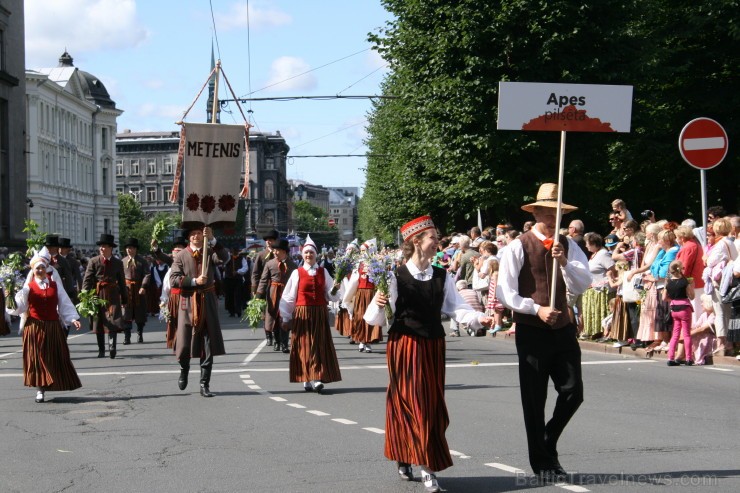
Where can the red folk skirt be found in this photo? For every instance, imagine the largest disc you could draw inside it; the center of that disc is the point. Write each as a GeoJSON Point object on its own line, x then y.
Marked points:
{"type": "Point", "coordinates": [46, 360]}
{"type": "Point", "coordinates": [416, 414]}
{"type": "Point", "coordinates": [361, 330]}
{"type": "Point", "coordinates": [343, 323]}
{"type": "Point", "coordinates": [312, 353]}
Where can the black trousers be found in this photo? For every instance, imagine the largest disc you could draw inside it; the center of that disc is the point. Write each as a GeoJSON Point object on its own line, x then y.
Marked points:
{"type": "Point", "coordinates": [546, 354]}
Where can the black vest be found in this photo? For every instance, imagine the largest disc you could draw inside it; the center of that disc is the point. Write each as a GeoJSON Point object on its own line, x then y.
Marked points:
{"type": "Point", "coordinates": [419, 304]}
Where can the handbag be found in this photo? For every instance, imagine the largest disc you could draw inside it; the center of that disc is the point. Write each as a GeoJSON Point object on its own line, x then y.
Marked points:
{"type": "Point", "coordinates": [479, 283]}
{"type": "Point", "coordinates": [630, 292]}
{"type": "Point", "coordinates": [733, 294]}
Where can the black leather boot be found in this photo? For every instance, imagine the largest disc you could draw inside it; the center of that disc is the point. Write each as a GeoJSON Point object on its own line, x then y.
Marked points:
{"type": "Point", "coordinates": [140, 331]}
{"type": "Point", "coordinates": [112, 339]}
{"type": "Point", "coordinates": [182, 382]}
{"type": "Point", "coordinates": [268, 337]}
{"type": "Point", "coordinates": [126, 337]}
{"type": "Point", "coordinates": [285, 335]}
{"type": "Point", "coordinates": [205, 380]}
{"type": "Point", "coordinates": [101, 344]}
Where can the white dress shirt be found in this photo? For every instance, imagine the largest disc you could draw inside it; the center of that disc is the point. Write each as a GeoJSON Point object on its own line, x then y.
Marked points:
{"type": "Point", "coordinates": [576, 275]}
{"type": "Point", "coordinates": [290, 293]}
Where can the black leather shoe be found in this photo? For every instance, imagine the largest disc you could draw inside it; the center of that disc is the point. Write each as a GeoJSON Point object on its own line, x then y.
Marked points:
{"type": "Point", "coordinates": [276, 346]}
{"type": "Point", "coordinates": [286, 349]}
{"type": "Point", "coordinates": [182, 382]}
{"type": "Point", "coordinates": [205, 391]}
{"type": "Point", "coordinates": [405, 473]}
{"type": "Point", "coordinates": [101, 353]}
{"type": "Point", "coordinates": [141, 339]}
{"type": "Point", "coordinates": [112, 353]}
{"type": "Point", "coordinates": [554, 475]}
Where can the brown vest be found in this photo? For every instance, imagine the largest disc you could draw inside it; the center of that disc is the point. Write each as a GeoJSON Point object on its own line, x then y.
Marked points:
{"type": "Point", "coordinates": [535, 278]}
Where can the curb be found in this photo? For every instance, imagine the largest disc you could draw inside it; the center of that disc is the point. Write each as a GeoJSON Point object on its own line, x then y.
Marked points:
{"type": "Point", "coordinates": [626, 351]}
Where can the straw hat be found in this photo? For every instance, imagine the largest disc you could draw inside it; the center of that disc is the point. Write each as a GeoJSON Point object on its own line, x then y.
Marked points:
{"type": "Point", "coordinates": [547, 196]}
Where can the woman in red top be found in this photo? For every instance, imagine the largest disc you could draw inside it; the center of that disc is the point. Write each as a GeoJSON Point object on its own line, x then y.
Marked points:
{"type": "Point", "coordinates": [46, 361]}
{"type": "Point", "coordinates": [690, 255]}
{"type": "Point", "coordinates": [304, 311]}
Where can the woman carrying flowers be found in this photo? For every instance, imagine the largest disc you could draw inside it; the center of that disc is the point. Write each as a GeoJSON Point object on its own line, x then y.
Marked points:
{"type": "Point", "coordinates": [304, 311]}
{"type": "Point", "coordinates": [46, 361]}
{"type": "Point", "coordinates": [416, 413]}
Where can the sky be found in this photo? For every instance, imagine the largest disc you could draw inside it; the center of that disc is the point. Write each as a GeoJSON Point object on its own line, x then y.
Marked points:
{"type": "Point", "coordinates": [154, 56]}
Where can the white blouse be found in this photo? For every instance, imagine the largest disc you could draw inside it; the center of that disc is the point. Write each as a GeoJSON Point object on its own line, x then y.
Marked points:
{"type": "Point", "coordinates": [67, 311]}
{"type": "Point", "coordinates": [453, 304]}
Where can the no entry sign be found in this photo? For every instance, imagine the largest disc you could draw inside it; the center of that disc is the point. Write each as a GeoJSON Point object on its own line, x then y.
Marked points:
{"type": "Point", "coordinates": [703, 143]}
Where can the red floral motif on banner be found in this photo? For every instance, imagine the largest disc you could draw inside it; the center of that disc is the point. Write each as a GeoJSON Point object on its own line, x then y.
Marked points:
{"type": "Point", "coordinates": [207, 204]}
{"type": "Point", "coordinates": [226, 203]}
{"type": "Point", "coordinates": [192, 202]}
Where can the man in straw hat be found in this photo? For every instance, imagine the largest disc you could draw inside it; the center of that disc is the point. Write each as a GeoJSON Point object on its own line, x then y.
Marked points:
{"type": "Point", "coordinates": [104, 274]}
{"type": "Point", "coordinates": [545, 335]}
{"type": "Point", "coordinates": [198, 329]}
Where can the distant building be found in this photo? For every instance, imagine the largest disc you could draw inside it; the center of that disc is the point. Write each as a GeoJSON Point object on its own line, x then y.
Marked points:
{"type": "Point", "coordinates": [70, 136]}
{"type": "Point", "coordinates": [313, 194]}
{"type": "Point", "coordinates": [343, 210]}
{"type": "Point", "coordinates": [14, 202]}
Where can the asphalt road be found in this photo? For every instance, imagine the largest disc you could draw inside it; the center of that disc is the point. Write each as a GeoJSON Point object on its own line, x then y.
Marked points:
{"type": "Point", "coordinates": [643, 426]}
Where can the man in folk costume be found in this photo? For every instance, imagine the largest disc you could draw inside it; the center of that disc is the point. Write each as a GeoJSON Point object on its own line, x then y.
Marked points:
{"type": "Point", "coordinates": [259, 264]}
{"type": "Point", "coordinates": [198, 328]}
{"type": "Point", "coordinates": [274, 277]}
{"type": "Point", "coordinates": [234, 264]}
{"type": "Point", "coordinates": [43, 306]}
{"type": "Point", "coordinates": [170, 297]}
{"type": "Point", "coordinates": [158, 271]}
{"type": "Point", "coordinates": [65, 251]}
{"type": "Point", "coordinates": [136, 270]}
{"type": "Point", "coordinates": [357, 297]}
{"type": "Point", "coordinates": [416, 413]}
{"type": "Point", "coordinates": [304, 310]}
{"type": "Point", "coordinates": [545, 337]}
{"type": "Point", "coordinates": [61, 265]}
{"type": "Point", "coordinates": [105, 275]}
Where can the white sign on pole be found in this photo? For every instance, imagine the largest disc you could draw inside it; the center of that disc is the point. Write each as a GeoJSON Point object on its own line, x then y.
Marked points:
{"type": "Point", "coordinates": [564, 107]}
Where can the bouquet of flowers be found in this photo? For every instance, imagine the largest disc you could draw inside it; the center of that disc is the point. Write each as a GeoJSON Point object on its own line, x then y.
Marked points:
{"type": "Point", "coordinates": [343, 265]}
{"type": "Point", "coordinates": [11, 278]}
{"type": "Point", "coordinates": [379, 272]}
{"type": "Point", "coordinates": [164, 312]}
{"type": "Point", "coordinates": [89, 303]}
{"type": "Point", "coordinates": [254, 312]}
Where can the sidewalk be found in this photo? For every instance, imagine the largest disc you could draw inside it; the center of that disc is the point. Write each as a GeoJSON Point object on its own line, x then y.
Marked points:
{"type": "Point", "coordinates": [627, 351]}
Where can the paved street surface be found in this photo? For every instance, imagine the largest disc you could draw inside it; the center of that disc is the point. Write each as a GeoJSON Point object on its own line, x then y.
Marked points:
{"type": "Point", "coordinates": [643, 426]}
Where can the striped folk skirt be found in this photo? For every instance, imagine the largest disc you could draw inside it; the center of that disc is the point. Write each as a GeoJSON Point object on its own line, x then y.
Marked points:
{"type": "Point", "coordinates": [416, 414]}
{"type": "Point", "coordinates": [312, 354]}
{"type": "Point", "coordinates": [46, 360]}
{"type": "Point", "coordinates": [361, 330]}
{"type": "Point", "coordinates": [4, 325]}
{"type": "Point", "coordinates": [343, 323]}
{"type": "Point", "coordinates": [173, 305]}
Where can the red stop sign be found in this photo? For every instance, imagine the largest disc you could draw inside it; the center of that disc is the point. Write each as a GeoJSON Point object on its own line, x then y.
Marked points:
{"type": "Point", "coordinates": [703, 143]}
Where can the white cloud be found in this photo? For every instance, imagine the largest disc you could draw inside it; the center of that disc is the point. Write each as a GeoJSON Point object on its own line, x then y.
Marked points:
{"type": "Point", "coordinates": [374, 60]}
{"type": "Point", "coordinates": [170, 111]}
{"type": "Point", "coordinates": [256, 15]}
{"type": "Point", "coordinates": [80, 26]}
{"type": "Point", "coordinates": [285, 75]}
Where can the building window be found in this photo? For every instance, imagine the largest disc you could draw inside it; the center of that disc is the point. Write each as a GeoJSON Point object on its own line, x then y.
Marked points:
{"type": "Point", "coordinates": [269, 217]}
{"type": "Point", "coordinates": [105, 181]}
{"type": "Point", "coordinates": [167, 191]}
{"type": "Point", "coordinates": [119, 167]}
{"type": "Point", "coordinates": [119, 190]}
{"type": "Point", "coordinates": [151, 167]}
{"type": "Point", "coordinates": [151, 194]}
{"type": "Point", "coordinates": [134, 167]}
{"type": "Point", "coordinates": [344, 221]}
{"type": "Point", "coordinates": [269, 190]}
{"type": "Point", "coordinates": [167, 162]}
{"type": "Point", "coordinates": [269, 163]}
{"type": "Point", "coordinates": [104, 138]}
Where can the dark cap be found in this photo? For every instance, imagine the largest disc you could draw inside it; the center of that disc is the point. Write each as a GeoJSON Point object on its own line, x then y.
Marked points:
{"type": "Point", "coordinates": [611, 240]}
{"type": "Point", "coordinates": [274, 235]}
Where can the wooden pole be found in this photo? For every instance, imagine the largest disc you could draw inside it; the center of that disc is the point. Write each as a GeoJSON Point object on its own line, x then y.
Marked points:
{"type": "Point", "coordinates": [558, 214]}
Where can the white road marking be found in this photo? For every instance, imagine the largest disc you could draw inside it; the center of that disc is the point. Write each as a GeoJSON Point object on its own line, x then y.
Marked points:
{"type": "Point", "coordinates": [318, 413]}
{"type": "Point", "coordinates": [375, 430]}
{"type": "Point", "coordinates": [254, 353]}
{"type": "Point", "coordinates": [278, 399]}
{"type": "Point", "coordinates": [572, 487]}
{"type": "Point", "coordinates": [297, 406]}
{"type": "Point", "coordinates": [254, 387]}
{"type": "Point", "coordinates": [459, 454]}
{"type": "Point", "coordinates": [247, 381]}
{"type": "Point", "coordinates": [344, 421]}
{"type": "Point", "coordinates": [504, 467]}
{"type": "Point", "coordinates": [717, 369]}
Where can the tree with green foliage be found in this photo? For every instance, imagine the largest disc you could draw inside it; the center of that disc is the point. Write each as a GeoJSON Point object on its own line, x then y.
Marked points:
{"type": "Point", "coordinates": [133, 223]}
{"type": "Point", "coordinates": [435, 149]}
{"type": "Point", "coordinates": [313, 220]}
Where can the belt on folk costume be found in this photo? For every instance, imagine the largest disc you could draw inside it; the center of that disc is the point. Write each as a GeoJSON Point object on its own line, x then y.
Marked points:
{"type": "Point", "coordinates": [277, 292]}
{"type": "Point", "coordinates": [199, 303]}
{"type": "Point", "coordinates": [133, 292]}
{"type": "Point", "coordinates": [104, 288]}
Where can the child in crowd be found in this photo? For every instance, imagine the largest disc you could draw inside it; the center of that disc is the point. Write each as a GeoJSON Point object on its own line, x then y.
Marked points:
{"type": "Point", "coordinates": [679, 291]}
{"type": "Point", "coordinates": [702, 333]}
{"type": "Point", "coordinates": [494, 308]}
{"type": "Point", "coordinates": [606, 322]}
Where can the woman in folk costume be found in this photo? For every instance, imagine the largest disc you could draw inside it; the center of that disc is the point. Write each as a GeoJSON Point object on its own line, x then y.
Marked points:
{"type": "Point", "coordinates": [5, 319]}
{"type": "Point", "coordinates": [359, 294]}
{"type": "Point", "coordinates": [343, 322]}
{"type": "Point", "coordinates": [304, 311]}
{"type": "Point", "coordinates": [45, 305]}
{"type": "Point", "coordinates": [416, 413]}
